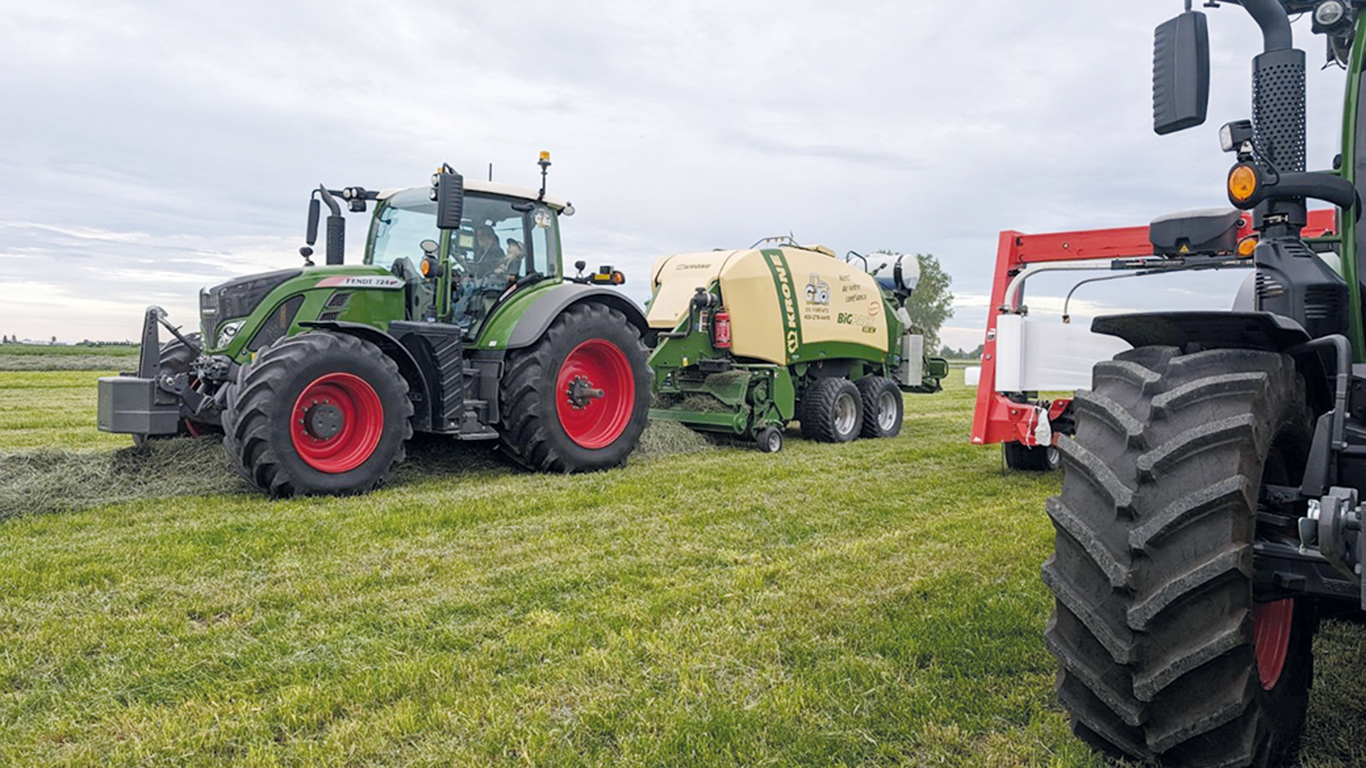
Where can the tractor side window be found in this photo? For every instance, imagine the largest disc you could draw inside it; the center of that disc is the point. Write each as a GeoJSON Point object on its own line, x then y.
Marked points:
{"type": "Point", "coordinates": [544, 257]}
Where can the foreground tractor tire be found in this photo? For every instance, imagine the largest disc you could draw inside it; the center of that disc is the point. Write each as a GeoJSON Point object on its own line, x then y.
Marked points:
{"type": "Point", "coordinates": [1031, 458]}
{"type": "Point", "coordinates": [831, 411]}
{"type": "Point", "coordinates": [883, 407]}
{"type": "Point", "coordinates": [175, 358]}
{"type": "Point", "coordinates": [318, 413]}
{"type": "Point", "coordinates": [577, 400]}
{"type": "Point", "coordinates": [1163, 654]}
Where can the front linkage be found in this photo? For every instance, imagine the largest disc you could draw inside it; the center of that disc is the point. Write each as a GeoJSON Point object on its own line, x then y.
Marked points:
{"type": "Point", "coordinates": [175, 390]}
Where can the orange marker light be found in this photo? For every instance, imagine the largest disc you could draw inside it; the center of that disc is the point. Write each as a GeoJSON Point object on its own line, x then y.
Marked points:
{"type": "Point", "coordinates": [1242, 183]}
{"type": "Point", "coordinates": [1246, 247]}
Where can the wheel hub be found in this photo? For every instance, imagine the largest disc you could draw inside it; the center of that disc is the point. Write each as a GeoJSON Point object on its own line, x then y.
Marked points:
{"type": "Point", "coordinates": [886, 411]}
{"type": "Point", "coordinates": [337, 422]}
{"type": "Point", "coordinates": [323, 420]}
{"type": "Point", "coordinates": [595, 389]}
{"type": "Point", "coordinates": [581, 393]}
{"type": "Point", "coordinates": [846, 414]}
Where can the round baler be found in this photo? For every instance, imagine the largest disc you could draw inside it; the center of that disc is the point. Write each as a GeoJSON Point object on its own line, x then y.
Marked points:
{"type": "Point", "coordinates": [749, 340]}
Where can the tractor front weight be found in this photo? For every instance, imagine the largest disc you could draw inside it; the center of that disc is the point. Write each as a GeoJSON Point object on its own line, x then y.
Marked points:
{"type": "Point", "coordinates": [155, 401]}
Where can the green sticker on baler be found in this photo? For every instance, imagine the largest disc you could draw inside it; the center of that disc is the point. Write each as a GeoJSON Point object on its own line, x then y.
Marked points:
{"type": "Point", "coordinates": [787, 298]}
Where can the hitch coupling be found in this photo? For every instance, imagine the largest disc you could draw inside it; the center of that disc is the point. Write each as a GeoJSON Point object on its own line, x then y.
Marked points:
{"type": "Point", "coordinates": [1333, 529]}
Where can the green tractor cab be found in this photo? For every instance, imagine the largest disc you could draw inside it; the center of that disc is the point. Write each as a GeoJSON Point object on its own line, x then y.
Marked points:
{"type": "Point", "coordinates": [751, 339]}
{"type": "Point", "coordinates": [459, 322]}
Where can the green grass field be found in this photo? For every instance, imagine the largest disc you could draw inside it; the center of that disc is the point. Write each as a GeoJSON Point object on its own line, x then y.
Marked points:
{"type": "Point", "coordinates": [870, 604]}
{"type": "Point", "coordinates": [18, 357]}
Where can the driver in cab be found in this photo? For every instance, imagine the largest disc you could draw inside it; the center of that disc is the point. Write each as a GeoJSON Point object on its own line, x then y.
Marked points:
{"type": "Point", "coordinates": [490, 259]}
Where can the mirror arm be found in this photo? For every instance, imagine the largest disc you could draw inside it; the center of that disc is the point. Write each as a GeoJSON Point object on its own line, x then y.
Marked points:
{"type": "Point", "coordinates": [1270, 15]}
{"type": "Point", "coordinates": [327, 198]}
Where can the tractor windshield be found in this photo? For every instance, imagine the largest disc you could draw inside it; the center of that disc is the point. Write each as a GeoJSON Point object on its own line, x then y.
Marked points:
{"type": "Point", "coordinates": [498, 237]}
{"type": "Point", "coordinates": [400, 227]}
{"type": "Point", "coordinates": [500, 241]}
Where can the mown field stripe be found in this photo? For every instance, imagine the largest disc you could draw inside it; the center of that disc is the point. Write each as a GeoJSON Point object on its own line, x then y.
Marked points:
{"type": "Point", "coordinates": [866, 604]}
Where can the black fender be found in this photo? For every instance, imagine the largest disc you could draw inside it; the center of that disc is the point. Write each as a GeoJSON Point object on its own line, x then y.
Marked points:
{"type": "Point", "coordinates": [407, 364]}
{"type": "Point", "coordinates": [1211, 329]}
{"type": "Point", "coordinates": [537, 319]}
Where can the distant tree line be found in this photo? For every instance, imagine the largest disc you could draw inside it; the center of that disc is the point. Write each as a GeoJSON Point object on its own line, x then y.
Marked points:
{"type": "Point", "coordinates": [960, 354]}
{"type": "Point", "coordinates": [7, 339]}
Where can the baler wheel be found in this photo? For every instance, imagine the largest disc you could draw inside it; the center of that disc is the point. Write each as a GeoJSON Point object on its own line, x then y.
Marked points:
{"type": "Point", "coordinates": [831, 411]}
{"type": "Point", "coordinates": [1164, 654]}
{"type": "Point", "coordinates": [578, 399]}
{"type": "Point", "coordinates": [769, 440]}
{"type": "Point", "coordinates": [883, 407]}
{"type": "Point", "coordinates": [318, 413]}
{"type": "Point", "coordinates": [1031, 458]}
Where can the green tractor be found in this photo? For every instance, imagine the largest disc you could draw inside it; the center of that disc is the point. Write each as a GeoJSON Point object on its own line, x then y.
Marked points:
{"type": "Point", "coordinates": [460, 322]}
{"type": "Point", "coordinates": [1211, 510]}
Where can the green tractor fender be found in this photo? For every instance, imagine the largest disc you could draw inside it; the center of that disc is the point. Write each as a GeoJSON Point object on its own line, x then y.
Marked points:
{"type": "Point", "coordinates": [536, 318]}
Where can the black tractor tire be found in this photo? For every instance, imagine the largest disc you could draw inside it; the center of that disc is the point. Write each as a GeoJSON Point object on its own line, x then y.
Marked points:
{"type": "Point", "coordinates": [831, 411]}
{"type": "Point", "coordinates": [545, 427]}
{"type": "Point", "coordinates": [883, 407]}
{"type": "Point", "coordinates": [1031, 458]}
{"type": "Point", "coordinates": [1155, 627]}
{"type": "Point", "coordinates": [175, 358]}
{"type": "Point", "coordinates": [264, 434]}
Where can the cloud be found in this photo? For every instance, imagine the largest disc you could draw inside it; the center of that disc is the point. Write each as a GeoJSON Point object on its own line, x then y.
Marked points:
{"type": "Point", "coordinates": [152, 145]}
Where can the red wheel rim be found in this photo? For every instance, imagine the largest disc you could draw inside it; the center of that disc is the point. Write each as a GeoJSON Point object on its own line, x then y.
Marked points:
{"type": "Point", "coordinates": [351, 407]}
{"type": "Point", "coordinates": [595, 393]}
{"type": "Point", "coordinates": [1271, 623]}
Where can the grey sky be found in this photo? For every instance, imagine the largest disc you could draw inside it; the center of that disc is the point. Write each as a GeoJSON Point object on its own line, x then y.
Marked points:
{"type": "Point", "coordinates": [151, 148]}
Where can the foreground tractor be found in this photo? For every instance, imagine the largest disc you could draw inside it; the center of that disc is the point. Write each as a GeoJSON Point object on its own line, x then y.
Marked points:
{"type": "Point", "coordinates": [460, 322]}
{"type": "Point", "coordinates": [1211, 509]}
{"type": "Point", "coordinates": [749, 340]}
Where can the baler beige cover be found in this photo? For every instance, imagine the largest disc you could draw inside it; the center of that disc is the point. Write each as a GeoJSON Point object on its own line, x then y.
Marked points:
{"type": "Point", "coordinates": [781, 300]}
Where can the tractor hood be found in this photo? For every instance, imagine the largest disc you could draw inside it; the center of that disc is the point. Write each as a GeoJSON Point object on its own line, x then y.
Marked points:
{"type": "Point", "coordinates": [237, 298]}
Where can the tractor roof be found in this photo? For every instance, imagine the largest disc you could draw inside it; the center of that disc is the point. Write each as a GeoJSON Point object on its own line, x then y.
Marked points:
{"type": "Point", "coordinates": [490, 187]}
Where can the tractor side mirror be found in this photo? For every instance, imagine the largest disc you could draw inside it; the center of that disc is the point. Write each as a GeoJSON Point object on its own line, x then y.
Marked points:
{"type": "Point", "coordinates": [1181, 73]}
{"type": "Point", "coordinates": [314, 211]}
{"type": "Point", "coordinates": [450, 199]}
